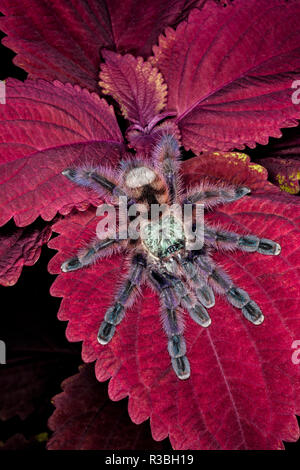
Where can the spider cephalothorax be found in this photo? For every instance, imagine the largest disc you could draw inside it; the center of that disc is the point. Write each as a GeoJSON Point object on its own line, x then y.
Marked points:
{"type": "Point", "coordinates": [184, 278]}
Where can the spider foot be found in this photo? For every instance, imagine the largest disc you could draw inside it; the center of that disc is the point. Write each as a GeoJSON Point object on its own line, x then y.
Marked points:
{"type": "Point", "coordinates": [105, 333]}
{"type": "Point", "coordinates": [87, 255]}
{"type": "Point", "coordinates": [264, 246]}
{"type": "Point", "coordinates": [203, 291]}
{"type": "Point", "coordinates": [253, 313]}
{"type": "Point", "coordinates": [70, 173]}
{"type": "Point", "coordinates": [199, 314]}
{"type": "Point", "coordinates": [181, 367]}
{"type": "Point", "coordinates": [113, 316]}
{"type": "Point", "coordinates": [93, 178]}
{"type": "Point", "coordinates": [211, 195]}
{"type": "Point", "coordinates": [268, 247]}
{"type": "Point", "coordinates": [71, 264]}
{"type": "Point", "coordinates": [240, 299]}
{"type": "Point", "coordinates": [241, 192]}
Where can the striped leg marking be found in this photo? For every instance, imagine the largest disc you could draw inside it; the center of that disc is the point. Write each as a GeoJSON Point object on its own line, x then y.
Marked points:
{"type": "Point", "coordinates": [92, 178]}
{"type": "Point", "coordinates": [87, 255]}
{"type": "Point", "coordinates": [249, 243]}
{"type": "Point", "coordinates": [115, 314]}
{"type": "Point", "coordinates": [223, 284]}
{"type": "Point", "coordinates": [211, 195]}
{"type": "Point", "coordinates": [173, 324]}
{"type": "Point", "coordinates": [203, 291]}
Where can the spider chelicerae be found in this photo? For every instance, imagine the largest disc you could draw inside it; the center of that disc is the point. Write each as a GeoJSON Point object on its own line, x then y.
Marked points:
{"type": "Point", "coordinates": [185, 279]}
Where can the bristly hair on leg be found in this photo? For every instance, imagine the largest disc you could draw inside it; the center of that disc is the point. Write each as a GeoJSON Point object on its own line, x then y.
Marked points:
{"type": "Point", "coordinates": [166, 159]}
{"type": "Point", "coordinates": [101, 179]}
{"type": "Point", "coordinates": [212, 194]}
{"type": "Point", "coordinates": [125, 297]}
{"type": "Point", "coordinates": [219, 238]}
{"type": "Point", "coordinates": [89, 254]}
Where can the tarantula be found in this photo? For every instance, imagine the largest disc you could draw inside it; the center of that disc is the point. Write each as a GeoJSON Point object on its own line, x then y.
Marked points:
{"type": "Point", "coordinates": [183, 278]}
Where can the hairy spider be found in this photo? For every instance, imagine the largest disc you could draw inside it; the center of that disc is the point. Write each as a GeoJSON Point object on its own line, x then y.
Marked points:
{"type": "Point", "coordinates": [183, 278]}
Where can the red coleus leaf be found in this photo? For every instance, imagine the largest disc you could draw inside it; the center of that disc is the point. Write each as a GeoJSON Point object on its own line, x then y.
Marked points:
{"type": "Point", "coordinates": [85, 419]}
{"type": "Point", "coordinates": [45, 127]}
{"type": "Point", "coordinates": [282, 160]}
{"type": "Point", "coordinates": [243, 392]}
{"type": "Point", "coordinates": [62, 40]}
{"type": "Point", "coordinates": [136, 85]}
{"type": "Point", "coordinates": [284, 171]}
{"type": "Point", "coordinates": [20, 247]}
{"type": "Point", "coordinates": [230, 72]}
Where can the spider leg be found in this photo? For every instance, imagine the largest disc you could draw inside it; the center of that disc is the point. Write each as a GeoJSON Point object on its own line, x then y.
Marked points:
{"type": "Point", "coordinates": [231, 240]}
{"type": "Point", "coordinates": [166, 154]}
{"type": "Point", "coordinates": [196, 310]}
{"type": "Point", "coordinates": [211, 195]}
{"type": "Point", "coordinates": [172, 322]}
{"type": "Point", "coordinates": [223, 284]}
{"type": "Point", "coordinates": [174, 292]}
{"type": "Point", "coordinates": [95, 178]}
{"type": "Point", "coordinates": [115, 314]}
{"type": "Point", "coordinates": [203, 291]}
{"type": "Point", "coordinates": [86, 256]}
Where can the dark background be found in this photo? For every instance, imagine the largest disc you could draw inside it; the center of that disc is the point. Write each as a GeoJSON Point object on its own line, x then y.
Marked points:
{"type": "Point", "coordinates": [39, 357]}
